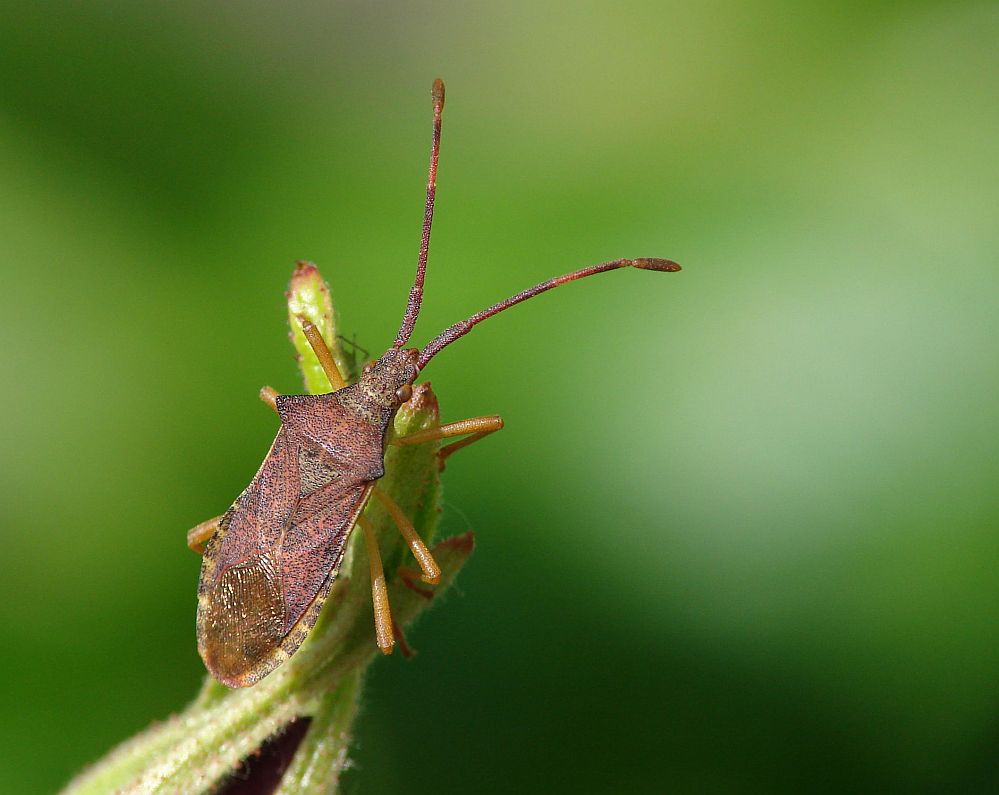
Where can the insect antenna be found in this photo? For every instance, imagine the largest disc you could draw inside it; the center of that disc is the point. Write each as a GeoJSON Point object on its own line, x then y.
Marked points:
{"type": "Point", "coordinates": [452, 333]}
{"type": "Point", "coordinates": [416, 292]}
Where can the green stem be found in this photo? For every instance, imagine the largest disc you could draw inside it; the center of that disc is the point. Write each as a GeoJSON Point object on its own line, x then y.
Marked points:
{"type": "Point", "coordinates": [322, 756]}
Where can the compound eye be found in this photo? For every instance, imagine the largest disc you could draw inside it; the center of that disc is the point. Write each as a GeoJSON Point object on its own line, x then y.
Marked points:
{"type": "Point", "coordinates": [368, 367]}
{"type": "Point", "coordinates": [404, 393]}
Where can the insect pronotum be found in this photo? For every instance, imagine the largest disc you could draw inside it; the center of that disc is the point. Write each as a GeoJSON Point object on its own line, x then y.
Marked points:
{"type": "Point", "coordinates": [269, 561]}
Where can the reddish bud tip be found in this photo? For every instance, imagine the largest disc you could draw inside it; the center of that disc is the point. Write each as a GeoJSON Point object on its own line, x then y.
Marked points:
{"type": "Point", "coordinates": [654, 264]}
{"type": "Point", "coordinates": [303, 268]}
{"type": "Point", "coordinates": [423, 399]}
{"type": "Point", "coordinates": [437, 92]}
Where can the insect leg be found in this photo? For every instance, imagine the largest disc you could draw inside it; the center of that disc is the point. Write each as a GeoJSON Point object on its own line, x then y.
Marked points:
{"type": "Point", "coordinates": [269, 395]}
{"type": "Point", "coordinates": [476, 427]}
{"type": "Point", "coordinates": [198, 536]}
{"type": "Point", "coordinates": [323, 354]}
{"type": "Point", "coordinates": [431, 571]}
{"type": "Point", "coordinates": [379, 591]}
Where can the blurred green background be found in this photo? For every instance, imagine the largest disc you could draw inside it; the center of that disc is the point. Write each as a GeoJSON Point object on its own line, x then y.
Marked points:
{"type": "Point", "coordinates": [740, 532]}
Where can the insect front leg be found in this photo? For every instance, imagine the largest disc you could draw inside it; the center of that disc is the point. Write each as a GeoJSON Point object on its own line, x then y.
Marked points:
{"type": "Point", "coordinates": [322, 351]}
{"type": "Point", "coordinates": [476, 427]}
{"type": "Point", "coordinates": [199, 535]}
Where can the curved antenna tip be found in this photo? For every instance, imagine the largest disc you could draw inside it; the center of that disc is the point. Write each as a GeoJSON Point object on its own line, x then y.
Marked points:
{"type": "Point", "coordinates": [656, 264]}
{"type": "Point", "coordinates": [437, 92]}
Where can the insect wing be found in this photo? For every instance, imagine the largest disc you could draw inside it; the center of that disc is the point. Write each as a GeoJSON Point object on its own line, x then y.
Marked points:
{"type": "Point", "coordinates": [269, 568]}
{"type": "Point", "coordinates": [313, 548]}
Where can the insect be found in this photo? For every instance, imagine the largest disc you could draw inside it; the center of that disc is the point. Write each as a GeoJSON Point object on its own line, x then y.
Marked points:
{"type": "Point", "coordinates": [270, 559]}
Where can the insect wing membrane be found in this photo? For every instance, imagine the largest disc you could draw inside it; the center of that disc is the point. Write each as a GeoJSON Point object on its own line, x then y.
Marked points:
{"type": "Point", "coordinates": [269, 568]}
{"type": "Point", "coordinates": [312, 551]}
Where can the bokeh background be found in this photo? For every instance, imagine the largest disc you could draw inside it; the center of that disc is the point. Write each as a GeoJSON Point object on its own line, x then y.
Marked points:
{"type": "Point", "coordinates": [740, 532]}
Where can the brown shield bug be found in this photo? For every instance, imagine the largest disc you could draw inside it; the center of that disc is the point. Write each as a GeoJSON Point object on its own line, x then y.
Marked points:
{"type": "Point", "coordinates": [269, 561]}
